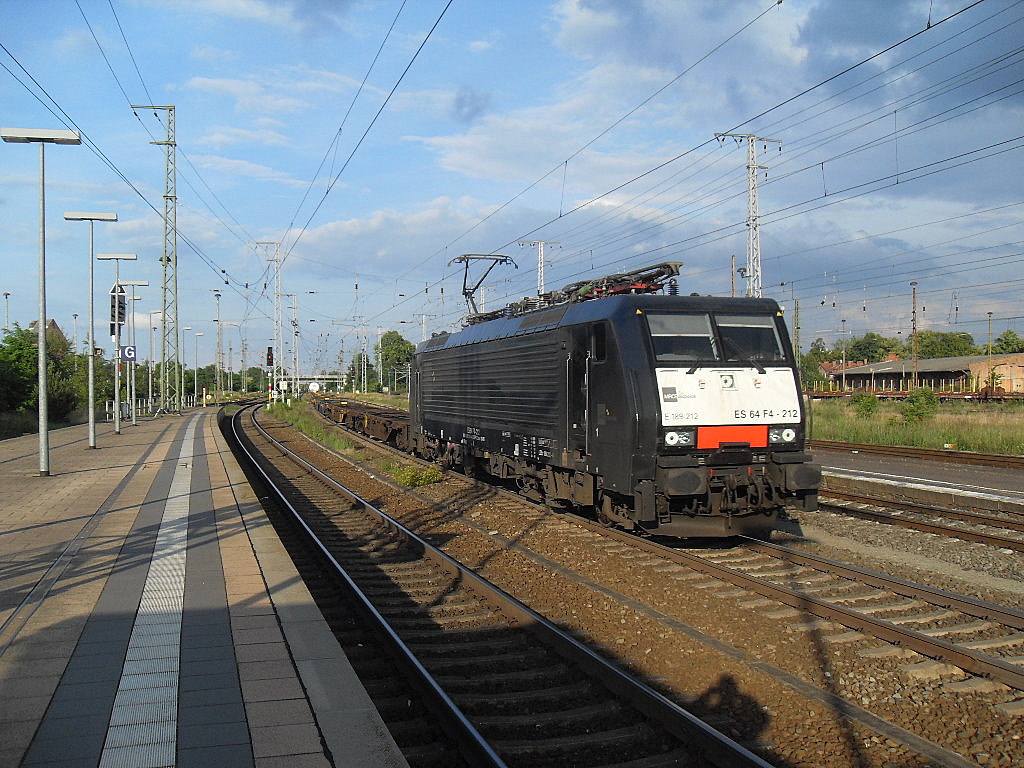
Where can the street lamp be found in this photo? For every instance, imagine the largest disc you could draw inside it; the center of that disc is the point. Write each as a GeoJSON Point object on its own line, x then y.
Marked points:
{"type": "Point", "coordinates": [991, 370]}
{"type": "Point", "coordinates": [7, 312]}
{"type": "Point", "coordinates": [42, 137]}
{"type": "Point", "coordinates": [195, 378]}
{"type": "Point", "coordinates": [91, 217]}
{"type": "Point", "coordinates": [844, 354]}
{"type": "Point", "coordinates": [913, 327]}
{"type": "Point", "coordinates": [116, 292]}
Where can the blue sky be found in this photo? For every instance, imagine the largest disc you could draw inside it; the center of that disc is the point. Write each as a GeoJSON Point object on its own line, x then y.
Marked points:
{"type": "Point", "coordinates": [585, 123]}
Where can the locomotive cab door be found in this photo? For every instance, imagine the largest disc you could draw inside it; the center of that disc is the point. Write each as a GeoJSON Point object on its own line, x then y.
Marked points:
{"type": "Point", "coordinates": [577, 377]}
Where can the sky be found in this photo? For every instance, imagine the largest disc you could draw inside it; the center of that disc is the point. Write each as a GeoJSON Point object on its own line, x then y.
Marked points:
{"type": "Point", "coordinates": [370, 143]}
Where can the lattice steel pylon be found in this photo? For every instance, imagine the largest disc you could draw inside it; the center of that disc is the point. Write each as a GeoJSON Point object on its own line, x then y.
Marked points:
{"type": "Point", "coordinates": [170, 367]}
{"type": "Point", "coordinates": [753, 216]}
{"type": "Point", "coordinates": [275, 374]}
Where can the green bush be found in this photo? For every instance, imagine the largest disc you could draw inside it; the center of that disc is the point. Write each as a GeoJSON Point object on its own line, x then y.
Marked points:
{"type": "Point", "coordinates": [864, 404]}
{"type": "Point", "coordinates": [920, 405]}
{"type": "Point", "coordinates": [300, 416]}
{"type": "Point", "coordinates": [412, 476]}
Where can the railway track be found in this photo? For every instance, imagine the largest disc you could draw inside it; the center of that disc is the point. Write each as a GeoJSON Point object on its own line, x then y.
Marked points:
{"type": "Point", "coordinates": [1002, 530]}
{"type": "Point", "coordinates": [509, 687]}
{"type": "Point", "coordinates": [894, 608]}
{"type": "Point", "coordinates": [459, 500]}
{"type": "Point", "coordinates": [908, 615]}
{"type": "Point", "coordinates": [925, 454]}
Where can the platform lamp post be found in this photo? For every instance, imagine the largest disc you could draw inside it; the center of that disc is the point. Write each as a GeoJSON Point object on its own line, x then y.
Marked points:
{"type": "Point", "coordinates": [152, 330]}
{"type": "Point", "coordinates": [195, 378]}
{"type": "Point", "coordinates": [42, 137]}
{"type": "Point", "coordinates": [91, 217]}
{"type": "Point", "coordinates": [132, 362]}
{"type": "Point", "coordinates": [7, 310]}
{"type": "Point", "coordinates": [184, 362]}
{"type": "Point", "coordinates": [116, 293]}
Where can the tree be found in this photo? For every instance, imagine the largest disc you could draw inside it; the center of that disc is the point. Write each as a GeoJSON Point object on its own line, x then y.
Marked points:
{"type": "Point", "coordinates": [810, 361]}
{"type": "Point", "coordinates": [355, 375]}
{"type": "Point", "coordinates": [18, 369]}
{"type": "Point", "coordinates": [871, 347]}
{"type": "Point", "coordinates": [395, 353]}
{"type": "Point", "coordinates": [19, 373]}
{"type": "Point", "coordinates": [932, 344]}
{"type": "Point", "coordinates": [1007, 343]}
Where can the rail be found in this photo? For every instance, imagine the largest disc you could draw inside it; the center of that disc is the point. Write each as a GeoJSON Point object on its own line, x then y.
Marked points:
{"type": "Point", "coordinates": [712, 748]}
{"type": "Point", "coordinates": [829, 498]}
{"type": "Point", "coordinates": [926, 454]}
{"type": "Point", "coordinates": [453, 720]}
{"type": "Point", "coordinates": [932, 647]}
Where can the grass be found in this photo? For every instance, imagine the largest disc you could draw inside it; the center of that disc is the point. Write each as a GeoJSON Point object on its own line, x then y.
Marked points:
{"type": "Point", "coordinates": [307, 421]}
{"type": "Point", "coordinates": [982, 427]}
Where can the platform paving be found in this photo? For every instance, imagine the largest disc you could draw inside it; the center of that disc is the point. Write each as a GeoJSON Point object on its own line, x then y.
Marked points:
{"type": "Point", "coordinates": [150, 617]}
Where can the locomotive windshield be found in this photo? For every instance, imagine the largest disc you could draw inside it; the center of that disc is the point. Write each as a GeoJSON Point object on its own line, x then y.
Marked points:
{"type": "Point", "coordinates": [750, 337]}
{"type": "Point", "coordinates": [704, 337]}
{"type": "Point", "coordinates": [679, 338]}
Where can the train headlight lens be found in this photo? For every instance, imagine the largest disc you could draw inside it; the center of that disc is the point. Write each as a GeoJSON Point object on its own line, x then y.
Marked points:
{"type": "Point", "coordinates": [677, 438]}
{"type": "Point", "coordinates": [778, 435]}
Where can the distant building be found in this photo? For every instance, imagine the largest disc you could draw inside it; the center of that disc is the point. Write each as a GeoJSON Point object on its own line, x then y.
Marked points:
{"type": "Point", "coordinates": [968, 373]}
{"type": "Point", "coordinates": [53, 331]}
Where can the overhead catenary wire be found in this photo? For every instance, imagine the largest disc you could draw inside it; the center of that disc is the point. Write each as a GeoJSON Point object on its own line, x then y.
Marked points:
{"type": "Point", "coordinates": [366, 132]}
{"type": "Point", "coordinates": [617, 225]}
{"type": "Point", "coordinates": [535, 231]}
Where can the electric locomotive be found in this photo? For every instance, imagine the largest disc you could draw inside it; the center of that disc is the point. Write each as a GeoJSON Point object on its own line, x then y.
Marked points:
{"type": "Point", "coordinates": [675, 415]}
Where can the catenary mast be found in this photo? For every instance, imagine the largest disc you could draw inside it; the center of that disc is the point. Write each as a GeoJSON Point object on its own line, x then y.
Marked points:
{"type": "Point", "coordinates": [170, 394]}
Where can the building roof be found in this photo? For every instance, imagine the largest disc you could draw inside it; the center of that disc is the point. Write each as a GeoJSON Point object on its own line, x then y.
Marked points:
{"type": "Point", "coordinates": [926, 365]}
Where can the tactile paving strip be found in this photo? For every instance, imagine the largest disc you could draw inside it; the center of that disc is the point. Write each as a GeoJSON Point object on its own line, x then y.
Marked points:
{"type": "Point", "coordinates": [146, 736]}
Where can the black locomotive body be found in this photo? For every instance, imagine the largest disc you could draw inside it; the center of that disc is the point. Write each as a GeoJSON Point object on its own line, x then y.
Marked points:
{"type": "Point", "coordinates": [680, 415]}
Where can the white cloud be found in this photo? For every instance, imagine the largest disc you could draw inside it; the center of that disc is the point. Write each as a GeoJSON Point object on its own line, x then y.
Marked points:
{"type": "Point", "coordinates": [249, 95]}
{"type": "Point", "coordinates": [221, 136]}
{"type": "Point", "coordinates": [245, 168]}
{"type": "Point", "coordinates": [213, 54]}
{"type": "Point", "coordinates": [302, 16]}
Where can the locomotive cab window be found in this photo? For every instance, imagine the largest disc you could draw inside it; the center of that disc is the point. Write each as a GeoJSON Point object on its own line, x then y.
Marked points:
{"type": "Point", "coordinates": [750, 337]}
{"type": "Point", "coordinates": [681, 338]}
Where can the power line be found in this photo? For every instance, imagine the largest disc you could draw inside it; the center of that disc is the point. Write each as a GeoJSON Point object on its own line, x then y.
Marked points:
{"type": "Point", "coordinates": [366, 132]}
{"type": "Point", "coordinates": [337, 134]}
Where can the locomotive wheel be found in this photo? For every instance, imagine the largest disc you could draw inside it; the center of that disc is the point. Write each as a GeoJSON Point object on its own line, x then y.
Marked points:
{"type": "Point", "coordinates": [610, 515]}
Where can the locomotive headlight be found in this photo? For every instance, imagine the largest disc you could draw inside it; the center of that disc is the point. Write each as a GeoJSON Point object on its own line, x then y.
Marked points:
{"type": "Point", "coordinates": [778, 435]}
{"type": "Point", "coordinates": [679, 438]}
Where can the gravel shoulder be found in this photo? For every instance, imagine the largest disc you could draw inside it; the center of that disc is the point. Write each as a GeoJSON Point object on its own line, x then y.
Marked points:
{"type": "Point", "coordinates": [959, 566]}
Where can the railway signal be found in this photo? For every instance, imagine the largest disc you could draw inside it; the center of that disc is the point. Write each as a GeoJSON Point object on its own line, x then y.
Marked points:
{"type": "Point", "coordinates": [117, 308]}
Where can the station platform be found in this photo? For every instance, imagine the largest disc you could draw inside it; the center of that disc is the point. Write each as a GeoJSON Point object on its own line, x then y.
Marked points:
{"type": "Point", "coordinates": [150, 617]}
